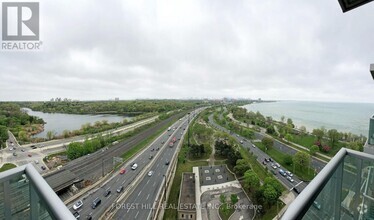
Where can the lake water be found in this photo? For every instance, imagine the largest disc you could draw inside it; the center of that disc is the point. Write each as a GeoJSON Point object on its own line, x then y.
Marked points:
{"type": "Point", "coordinates": [58, 122]}
{"type": "Point", "coordinates": [345, 117]}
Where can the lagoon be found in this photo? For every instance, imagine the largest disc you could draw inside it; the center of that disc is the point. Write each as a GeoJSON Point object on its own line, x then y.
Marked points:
{"type": "Point", "coordinates": [58, 122]}
{"type": "Point", "coordinates": [345, 117]}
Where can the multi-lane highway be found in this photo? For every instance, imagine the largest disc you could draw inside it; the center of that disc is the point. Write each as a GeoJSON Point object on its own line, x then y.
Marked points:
{"type": "Point", "coordinates": [139, 205]}
{"type": "Point", "coordinates": [156, 154]}
{"type": "Point", "coordinates": [261, 156]}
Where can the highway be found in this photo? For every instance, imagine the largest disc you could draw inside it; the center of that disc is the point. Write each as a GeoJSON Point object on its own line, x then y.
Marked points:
{"type": "Point", "coordinates": [261, 156]}
{"type": "Point", "coordinates": [158, 149]}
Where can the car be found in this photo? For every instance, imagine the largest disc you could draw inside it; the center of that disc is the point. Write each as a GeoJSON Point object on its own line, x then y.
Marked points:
{"type": "Point", "coordinates": [277, 164]}
{"type": "Point", "coordinates": [157, 149]}
{"type": "Point", "coordinates": [43, 167]}
{"type": "Point", "coordinates": [282, 172]}
{"type": "Point", "coordinates": [162, 142]}
{"type": "Point", "coordinates": [150, 156]}
{"type": "Point", "coordinates": [33, 146]}
{"type": "Point", "coordinates": [78, 205]}
{"type": "Point", "coordinates": [274, 167]}
{"type": "Point", "coordinates": [169, 135]}
{"type": "Point", "coordinates": [289, 173]}
{"type": "Point", "coordinates": [237, 135]}
{"type": "Point", "coordinates": [22, 150]}
{"type": "Point", "coordinates": [122, 171]}
{"type": "Point", "coordinates": [107, 193]}
{"type": "Point", "coordinates": [271, 160]}
{"type": "Point", "coordinates": [77, 215]}
{"type": "Point", "coordinates": [254, 146]}
{"type": "Point", "coordinates": [150, 173]}
{"type": "Point", "coordinates": [29, 155]}
{"type": "Point", "coordinates": [89, 217]}
{"type": "Point", "coordinates": [167, 162]}
{"type": "Point", "coordinates": [290, 179]}
{"type": "Point", "coordinates": [134, 166]}
{"type": "Point", "coordinates": [264, 162]}
{"type": "Point", "coordinates": [120, 189]}
{"type": "Point", "coordinates": [11, 148]}
{"type": "Point", "coordinates": [317, 205]}
{"type": "Point", "coordinates": [273, 172]}
{"type": "Point", "coordinates": [241, 142]}
{"type": "Point", "coordinates": [36, 162]}
{"type": "Point", "coordinates": [14, 154]}
{"type": "Point", "coordinates": [267, 160]}
{"type": "Point", "coordinates": [152, 149]}
{"type": "Point", "coordinates": [96, 203]}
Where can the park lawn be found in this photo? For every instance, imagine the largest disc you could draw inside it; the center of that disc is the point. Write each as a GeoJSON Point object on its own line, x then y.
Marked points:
{"type": "Point", "coordinates": [305, 174]}
{"type": "Point", "coordinates": [304, 140]}
{"type": "Point", "coordinates": [7, 166]}
{"type": "Point", "coordinates": [272, 211]}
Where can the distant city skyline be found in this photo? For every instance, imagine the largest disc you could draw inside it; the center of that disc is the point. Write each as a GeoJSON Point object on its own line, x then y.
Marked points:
{"type": "Point", "coordinates": [302, 50]}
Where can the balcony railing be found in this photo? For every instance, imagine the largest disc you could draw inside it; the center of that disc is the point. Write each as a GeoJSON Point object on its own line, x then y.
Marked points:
{"type": "Point", "coordinates": [344, 189]}
{"type": "Point", "coordinates": [24, 194]}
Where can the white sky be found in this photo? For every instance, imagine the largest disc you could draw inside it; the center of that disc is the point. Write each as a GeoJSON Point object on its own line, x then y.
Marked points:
{"type": "Point", "coordinates": [294, 50]}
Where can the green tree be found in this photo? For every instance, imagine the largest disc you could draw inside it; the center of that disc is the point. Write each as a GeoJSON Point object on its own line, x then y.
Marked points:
{"type": "Point", "coordinates": [22, 135]}
{"type": "Point", "coordinates": [65, 133]}
{"type": "Point", "coordinates": [241, 166]}
{"type": "Point", "coordinates": [302, 129]}
{"type": "Point", "coordinates": [313, 149]}
{"type": "Point", "coordinates": [288, 137]}
{"type": "Point", "coordinates": [288, 160]}
{"type": "Point", "coordinates": [251, 180]}
{"type": "Point", "coordinates": [267, 142]}
{"type": "Point", "coordinates": [319, 133]}
{"type": "Point", "coordinates": [302, 159]}
{"type": "Point", "coordinates": [334, 136]}
{"type": "Point", "coordinates": [290, 123]}
{"type": "Point", "coordinates": [50, 135]}
{"type": "Point", "coordinates": [3, 135]}
{"type": "Point", "coordinates": [269, 194]}
{"type": "Point", "coordinates": [222, 198]}
{"type": "Point", "coordinates": [234, 199]}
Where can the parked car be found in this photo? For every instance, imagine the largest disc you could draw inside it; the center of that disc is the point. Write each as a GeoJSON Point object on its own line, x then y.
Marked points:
{"type": "Point", "coordinates": [78, 204]}
{"type": "Point", "coordinates": [122, 171]}
{"type": "Point", "coordinates": [29, 155]}
{"type": "Point", "coordinates": [150, 156]}
{"type": "Point", "coordinates": [289, 173]}
{"type": "Point", "coordinates": [277, 164]}
{"type": "Point", "coordinates": [150, 173]}
{"type": "Point", "coordinates": [264, 162]}
{"type": "Point", "coordinates": [43, 167]}
{"type": "Point", "coordinates": [36, 161]}
{"type": "Point", "coordinates": [167, 162]}
{"type": "Point", "coordinates": [22, 150]}
{"type": "Point", "coordinates": [274, 167]}
{"type": "Point", "coordinates": [14, 154]}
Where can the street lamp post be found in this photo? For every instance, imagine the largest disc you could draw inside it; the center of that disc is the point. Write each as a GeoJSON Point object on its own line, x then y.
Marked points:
{"type": "Point", "coordinates": [188, 131]}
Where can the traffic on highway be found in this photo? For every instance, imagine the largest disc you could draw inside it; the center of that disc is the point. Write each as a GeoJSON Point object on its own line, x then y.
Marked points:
{"type": "Point", "coordinates": [135, 181]}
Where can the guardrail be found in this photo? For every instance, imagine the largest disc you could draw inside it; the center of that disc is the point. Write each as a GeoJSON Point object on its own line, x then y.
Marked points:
{"type": "Point", "coordinates": [41, 194]}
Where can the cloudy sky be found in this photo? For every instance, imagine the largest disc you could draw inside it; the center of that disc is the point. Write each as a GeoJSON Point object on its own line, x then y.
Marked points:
{"type": "Point", "coordinates": [305, 50]}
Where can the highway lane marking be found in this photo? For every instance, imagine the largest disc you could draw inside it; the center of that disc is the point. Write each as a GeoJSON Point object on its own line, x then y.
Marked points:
{"type": "Point", "coordinates": [154, 183]}
{"type": "Point", "coordinates": [147, 182]}
{"type": "Point", "coordinates": [137, 214]}
{"type": "Point", "coordinates": [147, 197]}
{"type": "Point", "coordinates": [123, 182]}
{"type": "Point", "coordinates": [139, 193]}
{"type": "Point", "coordinates": [128, 210]}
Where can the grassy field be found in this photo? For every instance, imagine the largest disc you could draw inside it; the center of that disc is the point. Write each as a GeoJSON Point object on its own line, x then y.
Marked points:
{"type": "Point", "coordinates": [304, 140]}
{"type": "Point", "coordinates": [7, 166]}
{"type": "Point", "coordinates": [305, 174]}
